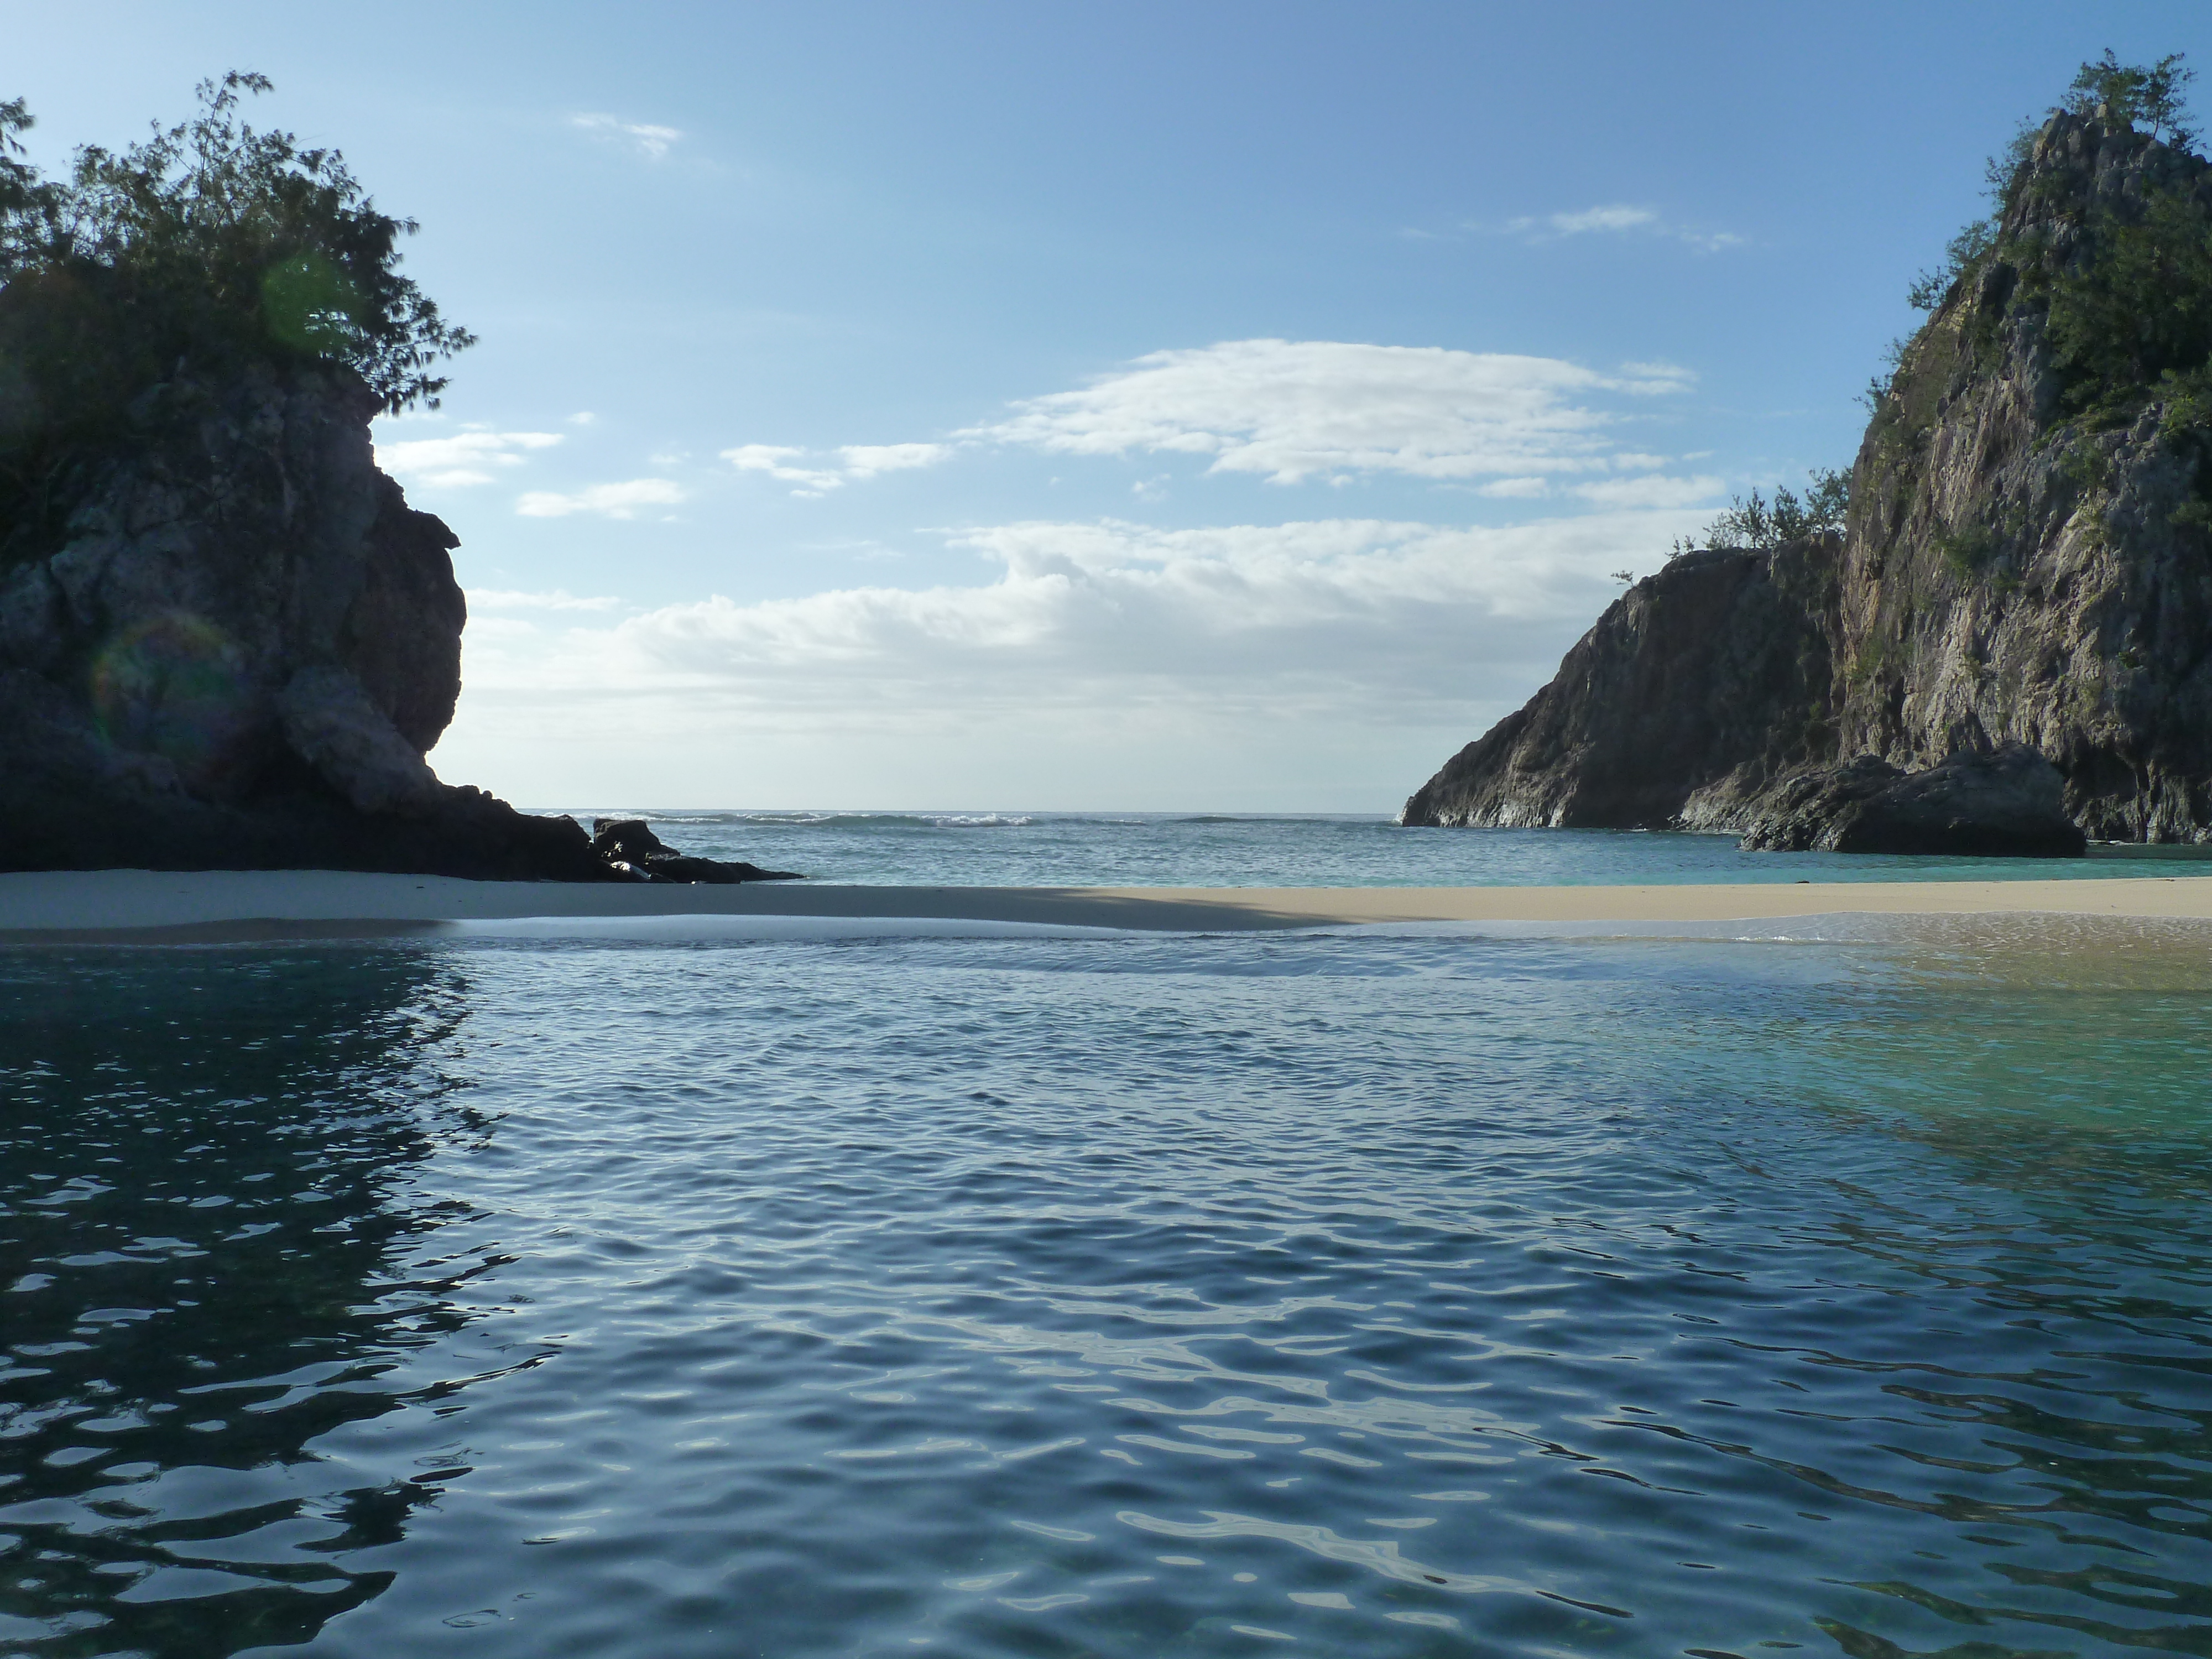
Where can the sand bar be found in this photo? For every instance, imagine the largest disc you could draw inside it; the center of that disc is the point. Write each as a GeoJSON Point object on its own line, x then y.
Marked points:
{"type": "Point", "coordinates": [120, 904]}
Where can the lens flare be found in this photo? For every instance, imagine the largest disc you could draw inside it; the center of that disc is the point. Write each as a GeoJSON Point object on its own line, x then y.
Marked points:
{"type": "Point", "coordinates": [175, 686]}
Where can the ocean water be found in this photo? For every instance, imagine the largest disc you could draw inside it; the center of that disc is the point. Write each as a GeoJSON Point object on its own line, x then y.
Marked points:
{"type": "Point", "coordinates": [1422, 1293]}
{"type": "Point", "coordinates": [1220, 849]}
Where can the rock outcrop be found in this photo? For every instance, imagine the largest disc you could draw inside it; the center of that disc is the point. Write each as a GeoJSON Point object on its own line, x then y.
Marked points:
{"type": "Point", "coordinates": [2004, 803]}
{"type": "Point", "coordinates": [629, 847]}
{"type": "Point", "coordinates": [1676, 690]}
{"type": "Point", "coordinates": [2026, 563]}
{"type": "Point", "coordinates": [233, 647]}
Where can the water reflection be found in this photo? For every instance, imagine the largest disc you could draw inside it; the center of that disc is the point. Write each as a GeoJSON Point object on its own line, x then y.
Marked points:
{"type": "Point", "coordinates": [1405, 1297]}
{"type": "Point", "coordinates": [2007, 1186]}
{"type": "Point", "coordinates": [210, 1255]}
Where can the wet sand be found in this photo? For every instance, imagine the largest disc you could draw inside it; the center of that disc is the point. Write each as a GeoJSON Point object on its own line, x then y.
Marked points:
{"type": "Point", "coordinates": [124, 905]}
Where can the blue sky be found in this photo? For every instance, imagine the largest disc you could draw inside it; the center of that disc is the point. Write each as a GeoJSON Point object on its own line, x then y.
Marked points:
{"type": "Point", "coordinates": [1230, 406]}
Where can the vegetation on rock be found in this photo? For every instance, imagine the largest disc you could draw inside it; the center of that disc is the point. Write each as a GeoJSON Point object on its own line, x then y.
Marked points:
{"type": "Point", "coordinates": [188, 258]}
{"type": "Point", "coordinates": [2027, 548]}
{"type": "Point", "coordinates": [2117, 284]}
{"type": "Point", "coordinates": [1757, 523]}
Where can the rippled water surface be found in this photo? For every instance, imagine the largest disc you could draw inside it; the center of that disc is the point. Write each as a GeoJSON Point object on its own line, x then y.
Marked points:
{"type": "Point", "coordinates": [1113, 1295]}
{"type": "Point", "coordinates": [1219, 849]}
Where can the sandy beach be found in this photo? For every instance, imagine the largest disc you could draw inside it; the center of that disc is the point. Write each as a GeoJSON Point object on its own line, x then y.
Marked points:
{"type": "Point", "coordinates": [124, 905]}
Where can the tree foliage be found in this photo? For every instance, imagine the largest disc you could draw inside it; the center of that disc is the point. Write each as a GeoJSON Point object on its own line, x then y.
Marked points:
{"type": "Point", "coordinates": [2133, 95]}
{"type": "Point", "coordinates": [1756, 522]}
{"type": "Point", "coordinates": [209, 240]}
{"type": "Point", "coordinates": [2134, 322]}
{"type": "Point", "coordinates": [1928, 289]}
{"type": "Point", "coordinates": [153, 278]}
{"type": "Point", "coordinates": [2130, 324]}
{"type": "Point", "coordinates": [2137, 94]}
{"type": "Point", "coordinates": [23, 195]}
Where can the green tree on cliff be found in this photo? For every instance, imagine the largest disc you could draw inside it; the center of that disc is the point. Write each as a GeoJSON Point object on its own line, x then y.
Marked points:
{"type": "Point", "coordinates": [1759, 523]}
{"type": "Point", "coordinates": [2129, 95]}
{"type": "Point", "coordinates": [2138, 94]}
{"type": "Point", "coordinates": [153, 277]}
{"type": "Point", "coordinates": [218, 240]}
{"type": "Point", "coordinates": [2126, 307]}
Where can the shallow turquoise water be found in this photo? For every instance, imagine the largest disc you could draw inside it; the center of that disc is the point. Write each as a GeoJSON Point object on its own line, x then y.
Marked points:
{"type": "Point", "coordinates": [1212, 849]}
{"type": "Point", "coordinates": [1389, 1294]}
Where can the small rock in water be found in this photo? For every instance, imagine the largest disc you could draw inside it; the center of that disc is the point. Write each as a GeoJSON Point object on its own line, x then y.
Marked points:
{"type": "Point", "coordinates": [632, 852]}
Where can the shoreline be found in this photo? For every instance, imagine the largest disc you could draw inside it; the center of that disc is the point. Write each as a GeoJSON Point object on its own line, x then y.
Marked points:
{"type": "Point", "coordinates": [124, 906]}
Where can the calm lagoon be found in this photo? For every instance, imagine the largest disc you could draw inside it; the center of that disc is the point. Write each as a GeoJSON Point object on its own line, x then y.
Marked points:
{"type": "Point", "coordinates": [1347, 1292]}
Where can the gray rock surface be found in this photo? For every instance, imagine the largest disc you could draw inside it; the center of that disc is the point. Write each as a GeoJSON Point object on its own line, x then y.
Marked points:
{"type": "Point", "coordinates": [2003, 803]}
{"type": "Point", "coordinates": [330, 721]}
{"type": "Point", "coordinates": [1675, 690]}
{"type": "Point", "coordinates": [236, 651]}
{"type": "Point", "coordinates": [2006, 576]}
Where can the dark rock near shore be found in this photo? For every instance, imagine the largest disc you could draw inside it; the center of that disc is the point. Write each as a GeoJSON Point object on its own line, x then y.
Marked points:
{"type": "Point", "coordinates": [630, 849]}
{"type": "Point", "coordinates": [2007, 575]}
{"type": "Point", "coordinates": [2006, 803]}
{"type": "Point", "coordinates": [1674, 691]}
{"type": "Point", "coordinates": [234, 649]}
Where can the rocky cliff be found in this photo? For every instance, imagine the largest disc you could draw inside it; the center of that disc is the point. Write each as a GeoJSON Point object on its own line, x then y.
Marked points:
{"type": "Point", "coordinates": [2025, 562]}
{"type": "Point", "coordinates": [227, 641]}
{"type": "Point", "coordinates": [1677, 689]}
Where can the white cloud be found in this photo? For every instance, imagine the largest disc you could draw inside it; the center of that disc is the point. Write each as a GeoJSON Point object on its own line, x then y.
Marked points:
{"type": "Point", "coordinates": [1615, 218]}
{"type": "Point", "coordinates": [776, 460]}
{"type": "Point", "coordinates": [463, 459]}
{"type": "Point", "coordinates": [1653, 490]}
{"type": "Point", "coordinates": [855, 462]}
{"type": "Point", "coordinates": [613, 500]}
{"type": "Point", "coordinates": [1618, 216]}
{"type": "Point", "coordinates": [1323, 665]}
{"type": "Point", "coordinates": [1291, 410]}
{"type": "Point", "coordinates": [559, 599]}
{"type": "Point", "coordinates": [500, 632]}
{"type": "Point", "coordinates": [651, 142]}
{"type": "Point", "coordinates": [866, 460]}
{"type": "Point", "coordinates": [1359, 617]}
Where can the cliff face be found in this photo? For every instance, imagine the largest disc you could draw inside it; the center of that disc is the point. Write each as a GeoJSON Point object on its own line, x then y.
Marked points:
{"type": "Point", "coordinates": [1683, 686]}
{"type": "Point", "coordinates": [2022, 564]}
{"type": "Point", "coordinates": [236, 649]}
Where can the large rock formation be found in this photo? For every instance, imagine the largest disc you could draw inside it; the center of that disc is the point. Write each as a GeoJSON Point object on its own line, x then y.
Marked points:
{"type": "Point", "coordinates": [233, 646]}
{"type": "Point", "coordinates": [2008, 802]}
{"type": "Point", "coordinates": [2025, 562]}
{"type": "Point", "coordinates": [1678, 686]}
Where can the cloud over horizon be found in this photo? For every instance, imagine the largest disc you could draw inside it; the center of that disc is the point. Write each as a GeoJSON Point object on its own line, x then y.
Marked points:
{"type": "Point", "coordinates": [1361, 619]}
{"type": "Point", "coordinates": [1288, 411]}
{"type": "Point", "coordinates": [558, 598]}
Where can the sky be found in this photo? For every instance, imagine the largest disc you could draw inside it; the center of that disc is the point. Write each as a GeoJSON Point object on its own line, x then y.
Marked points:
{"type": "Point", "coordinates": [1224, 406]}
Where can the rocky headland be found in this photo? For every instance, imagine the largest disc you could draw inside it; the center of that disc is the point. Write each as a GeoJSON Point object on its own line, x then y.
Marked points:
{"type": "Point", "coordinates": [240, 653]}
{"type": "Point", "coordinates": [2006, 647]}
{"type": "Point", "coordinates": [226, 640]}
